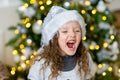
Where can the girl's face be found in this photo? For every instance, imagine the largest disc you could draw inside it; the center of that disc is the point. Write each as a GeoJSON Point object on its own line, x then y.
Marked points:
{"type": "Point", "coordinates": [69, 37]}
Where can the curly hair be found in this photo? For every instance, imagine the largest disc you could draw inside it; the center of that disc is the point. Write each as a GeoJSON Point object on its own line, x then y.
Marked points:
{"type": "Point", "coordinates": [53, 58]}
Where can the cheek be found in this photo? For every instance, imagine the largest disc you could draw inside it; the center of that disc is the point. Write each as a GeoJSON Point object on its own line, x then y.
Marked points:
{"type": "Point", "coordinates": [79, 38]}
{"type": "Point", "coordinates": [61, 37]}
{"type": "Point", "coordinates": [61, 40]}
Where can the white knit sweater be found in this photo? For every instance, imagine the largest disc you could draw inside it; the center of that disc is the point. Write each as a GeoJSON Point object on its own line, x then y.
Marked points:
{"type": "Point", "coordinates": [36, 74]}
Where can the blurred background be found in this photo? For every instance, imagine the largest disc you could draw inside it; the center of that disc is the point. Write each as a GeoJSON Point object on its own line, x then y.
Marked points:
{"type": "Point", "coordinates": [14, 14]}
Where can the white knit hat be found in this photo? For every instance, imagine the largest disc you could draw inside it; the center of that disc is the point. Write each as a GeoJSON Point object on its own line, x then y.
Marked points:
{"type": "Point", "coordinates": [58, 16]}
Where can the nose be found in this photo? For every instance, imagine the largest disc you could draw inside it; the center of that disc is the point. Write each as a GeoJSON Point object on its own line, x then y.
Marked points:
{"type": "Point", "coordinates": [72, 34]}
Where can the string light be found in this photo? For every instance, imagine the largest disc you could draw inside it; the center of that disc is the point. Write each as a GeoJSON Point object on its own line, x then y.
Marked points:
{"type": "Point", "coordinates": [40, 2]}
{"type": "Point", "coordinates": [28, 25]}
{"type": "Point", "coordinates": [104, 18]}
{"type": "Point", "coordinates": [19, 68]}
{"type": "Point", "coordinates": [23, 50]}
{"type": "Point", "coordinates": [25, 5]}
{"type": "Point", "coordinates": [23, 36]}
{"type": "Point", "coordinates": [119, 70]}
{"type": "Point", "coordinates": [104, 73]}
{"type": "Point", "coordinates": [91, 47]}
{"type": "Point", "coordinates": [27, 62]}
{"type": "Point", "coordinates": [24, 21]}
{"type": "Point", "coordinates": [34, 53]}
{"type": "Point", "coordinates": [31, 57]}
{"type": "Point", "coordinates": [42, 7]}
{"type": "Point", "coordinates": [21, 46]}
{"type": "Point", "coordinates": [23, 58]}
{"type": "Point", "coordinates": [15, 52]}
{"type": "Point", "coordinates": [110, 69]}
{"type": "Point", "coordinates": [13, 69]}
{"type": "Point", "coordinates": [103, 65]}
{"type": "Point", "coordinates": [100, 66]}
{"type": "Point", "coordinates": [23, 8]}
{"type": "Point", "coordinates": [112, 37]}
{"type": "Point", "coordinates": [94, 11]}
{"type": "Point", "coordinates": [48, 2]}
{"type": "Point", "coordinates": [97, 47]}
{"type": "Point", "coordinates": [16, 31]}
{"type": "Point", "coordinates": [12, 72]}
{"type": "Point", "coordinates": [83, 11]}
{"type": "Point", "coordinates": [91, 28]}
{"type": "Point", "coordinates": [105, 44]}
{"type": "Point", "coordinates": [87, 3]}
{"type": "Point", "coordinates": [23, 65]}
{"type": "Point", "coordinates": [32, 1]}
{"type": "Point", "coordinates": [84, 38]}
{"type": "Point", "coordinates": [39, 22]}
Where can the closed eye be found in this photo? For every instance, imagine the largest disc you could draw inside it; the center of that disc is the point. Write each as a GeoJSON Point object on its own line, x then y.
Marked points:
{"type": "Point", "coordinates": [77, 30]}
{"type": "Point", "coordinates": [64, 31]}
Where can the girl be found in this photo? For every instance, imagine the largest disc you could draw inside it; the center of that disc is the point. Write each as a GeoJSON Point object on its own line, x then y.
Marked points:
{"type": "Point", "coordinates": [62, 55]}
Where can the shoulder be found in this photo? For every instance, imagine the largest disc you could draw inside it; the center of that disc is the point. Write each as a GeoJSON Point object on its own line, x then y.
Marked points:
{"type": "Point", "coordinates": [92, 67]}
{"type": "Point", "coordinates": [37, 64]}
{"type": "Point", "coordinates": [34, 71]}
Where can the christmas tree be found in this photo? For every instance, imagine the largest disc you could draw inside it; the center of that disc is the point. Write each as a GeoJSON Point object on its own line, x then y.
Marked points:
{"type": "Point", "coordinates": [101, 39]}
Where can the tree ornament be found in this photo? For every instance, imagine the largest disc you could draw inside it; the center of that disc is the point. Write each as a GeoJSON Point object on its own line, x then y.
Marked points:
{"type": "Point", "coordinates": [114, 48]}
{"type": "Point", "coordinates": [29, 12]}
{"type": "Point", "coordinates": [107, 12]}
{"type": "Point", "coordinates": [81, 2]}
{"type": "Point", "coordinates": [21, 29]}
{"type": "Point", "coordinates": [104, 25]}
{"type": "Point", "coordinates": [103, 68]}
{"type": "Point", "coordinates": [103, 54]}
{"type": "Point", "coordinates": [93, 1]}
{"type": "Point", "coordinates": [66, 4]}
{"type": "Point", "coordinates": [36, 28]}
{"type": "Point", "coordinates": [114, 57]}
{"type": "Point", "coordinates": [29, 41]}
{"type": "Point", "coordinates": [28, 52]}
{"type": "Point", "coordinates": [101, 6]}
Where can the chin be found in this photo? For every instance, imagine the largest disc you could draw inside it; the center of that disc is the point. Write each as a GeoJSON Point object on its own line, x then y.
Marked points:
{"type": "Point", "coordinates": [71, 54]}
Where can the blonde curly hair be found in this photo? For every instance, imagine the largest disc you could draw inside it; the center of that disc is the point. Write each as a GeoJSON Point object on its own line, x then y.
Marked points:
{"type": "Point", "coordinates": [52, 54]}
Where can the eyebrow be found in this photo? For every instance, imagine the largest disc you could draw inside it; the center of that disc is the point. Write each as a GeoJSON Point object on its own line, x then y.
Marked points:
{"type": "Point", "coordinates": [63, 28]}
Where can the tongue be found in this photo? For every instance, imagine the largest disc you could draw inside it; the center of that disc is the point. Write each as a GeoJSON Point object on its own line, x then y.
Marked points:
{"type": "Point", "coordinates": [70, 45]}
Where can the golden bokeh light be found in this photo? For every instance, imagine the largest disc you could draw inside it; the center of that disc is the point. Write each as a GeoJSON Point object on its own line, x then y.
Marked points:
{"type": "Point", "coordinates": [21, 46]}
{"type": "Point", "coordinates": [105, 44]}
{"type": "Point", "coordinates": [16, 31]}
{"type": "Point", "coordinates": [23, 36]}
{"type": "Point", "coordinates": [94, 11]}
{"type": "Point", "coordinates": [14, 52]}
{"type": "Point", "coordinates": [48, 2]}
{"type": "Point", "coordinates": [104, 73]}
{"type": "Point", "coordinates": [112, 37]}
{"type": "Point", "coordinates": [91, 28]}
{"type": "Point", "coordinates": [104, 18]}
{"type": "Point", "coordinates": [42, 8]}
{"type": "Point", "coordinates": [28, 25]}
{"type": "Point", "coordinates": [83, 11]}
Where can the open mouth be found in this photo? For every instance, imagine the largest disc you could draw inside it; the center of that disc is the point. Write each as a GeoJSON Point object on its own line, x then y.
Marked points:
{"type": "Point", "coordinates": [70, 44]}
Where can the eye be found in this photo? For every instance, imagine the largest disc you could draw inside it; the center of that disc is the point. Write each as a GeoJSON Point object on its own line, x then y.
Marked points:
{"type": "Point", "coordinates": [77, 30]}
{"type": "Point", "coordinates": [64, 31]}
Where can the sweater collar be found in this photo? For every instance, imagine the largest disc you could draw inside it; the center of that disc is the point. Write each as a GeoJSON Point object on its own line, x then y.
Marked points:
{"type": "Point", "coordinates": [69, 62]}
